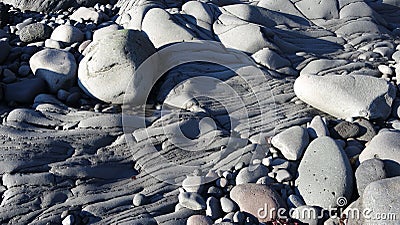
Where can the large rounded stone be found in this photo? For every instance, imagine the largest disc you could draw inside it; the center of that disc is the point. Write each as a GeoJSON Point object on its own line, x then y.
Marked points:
{"type": "Point", "coordinates": [381, 199]}
{"type": "Point", "coordinates": [57, 67]}
{"type": "Point", "coordinates": [347, 96]}
{"type": "Point", "coordinates": [325, 174]}
{"type": "Point", "coordinates": [110, 64]}
{"type": "Point", "coordinates": [385, 146]}
{"type": "Point", "coordinates": [259, 200]}
{"type": "Point", "coordinates": [199, 220]}
{"type": "Point", "coordinates": [291, 142]}
{"type": "Point", "coordinates": [67, 34]}
{"type": "Point", "coordinates": [35, 32]}
{"type": "Point", "coordinates": [369, 171]}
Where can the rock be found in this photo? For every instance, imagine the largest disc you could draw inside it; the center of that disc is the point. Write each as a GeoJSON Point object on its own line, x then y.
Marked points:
{"type": "Point", "coordinates": [271, 59]}
{"type": "Point", "coordinates": [73, 99]}
{"type": "Point", "coordinates": [199, 220]}
{"type": "Point", "coordinates": [384, 69]}
{"type": "Point", "coordinates": [35, 32]}
{"type": "Point", "coordinates": [384, 51]}
{"type": "Point", "coordinates": [295, 201]}
{"type": "Point", "coordinates": [49, 43]}
{"type": "Point", "coordinates": [213, 209]}
{"type": "Point", "coordinates": [367, 130]}
{"type": "Point", "coordinates": [83, 14]}
{"type": "Point", "coordinates": [24, 70]}
{"type": "Point", "coordinates": [227, 205]}
{"type": "Point", "coordinates": [69, 220]}
{"type": "Point", "coordinates": [369, 171]}
{"type": "Point", "coordinates": [317, 128]}
{"type": "Point", "coordinates": [325, 174]}
{"type": "Point", "coordinates": [381, 199]}
{"type": "Point", "coordinates": [50, 5]}
{"type": "Point", "coordinates": [5, 50]}
{"type": "Point", "coordinates": [386, 147]}
{"type": "Point", "coordinates": [162, 29]}
{"type": "Point", "coordinates": [352, 151]}
{"type": "Point", "coordinates": [344, 130]}
{"type": "Point", "coordinates": [109, 66]}
{"type": "Point", "coordinates": [24, 91]}
{"type": "Point", "coordinates": [396, 108]}
{"type": "Point", "coordinates": [214, 191]}
{"type": "Point", "coordinates": [193, 183]}
{"type": "Point", "coordinates": [139, 199]}
{"type": "Point", "coordinates": [67, 34]}
{"type": "Point", "coordinates": [283, 175]}
{"type": "Point", "coordinates": [396, 56]}
{"type": "Point", "coordinates": [258, 200]}
{"type": "Point", "coordinates": [192, 201]}
{"type": "Point", "coordinates": [100, 33]}
{"type": "Point", "coordinates": [9, 76]}
{"type": "Point", "coordinates": [57, 67]}
{"type": "Point", "coordinates": [307, 214]}
{"type": "Point", "coordinates": [291, 142]}
{"type": "Point", "coordinates": [239, 217]}
{"type": "Point", "coordinates": [250, 174]}
{"type": "Point", "coordinates": [347, 96]}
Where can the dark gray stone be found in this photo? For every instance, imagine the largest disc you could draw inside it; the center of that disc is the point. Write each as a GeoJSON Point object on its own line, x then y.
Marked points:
{"type": "Point", "coordinates": [35, 32]}
{"type": "Point", "coordinates": [24, 91]}
{"type": "Point", "coordinates": [369, 171]}
{"type": "Point", "coordinates": [344, 130]}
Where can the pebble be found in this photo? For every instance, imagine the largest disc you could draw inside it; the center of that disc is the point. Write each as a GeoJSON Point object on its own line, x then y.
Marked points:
{"type": "Point", "coordinates": [239, 217]}
{"type": "Point", "coordinates": [192, 201]}
{"type": "Point", "coordinates": [213, 209]}
{"type": "Point", "coordinates": [62, 94]}
{"type": "Point", "coordinates": [347, 96]}
{"type": "Point", "coordinates": [384, 69]}
{"type": "Point", "coordinates": [265, 180]}
{"type": "Point", "coordinates": [193, 183]}
{"type": "Point", "coordinates": [367, 130]}
{"type": "Point", "coordinates": [283, 175]}
{"type": "Point", "coordinates": [384, 51]}
{"type": "Point", "coordinates": [9, 76]}
{"type": "Point", "coordinates": [69, 220]}
{"type": "Point", "coordinates": [57, 67]}
{"type": "Point", "coordinates": [35, 32]}
{"type": "Point", "coordinates": [344, 130]}
{"type": "Point", "coordinates": [352, 151]}
{"type": "Point", "coordinates": [227, 205]}
{"type": "Point", "coordinates": [139, 199]}
{"type": "Point", "coordinates": [396, 56]}
{"type": "Point", "coordinates": [256, 199]}
{"type": "Point", "coordinates": [247, 175]}
{"type": "Point", "coordinates": [199, 220]}
{"type": "Point", "coordinates": [291, 142]}
{"type": "Point", "coordinates": [73, 99]}
{"type": "Point", "coordinates": [325, 174]}
{"type": "Point", "coordinates": [396, 108]}
{"type": "Point", "coordinates": [49, 43]}
{"type": "Point", "coordinates": [317, 128]}
{"type": "Point", "coordinates": [222, 182]}
{"type": "Point", "coordinates": [295, 201]}
{"type": "Point", "coordinates": [24, 70]}
{"type": "Point", "coordinates": [385, 146]}
{"type": "Point", "coordinates": [83, 14]}
{"type": "Point", "coordinates": [67, 34]}
{"type": "Point", "coordinates": [369, 171]}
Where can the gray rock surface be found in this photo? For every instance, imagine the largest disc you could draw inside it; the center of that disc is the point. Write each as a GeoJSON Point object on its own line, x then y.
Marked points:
{"type": "Point", "coordinates": [109, 66]}
{"type": "Point", "coordinates": [35, 32]}
{"type": "Point", "coordinates": [86, 14]}
{"type": "Point", "coordinates": [251, 174]}
{"type": "Point", "coordinates": [67, 34]}
{"type": "Point", "coordinates": [291, 142]}
{"type": "Point", "coordinates": [347, 96]}
{"type": "Point", "coordinates": [49, 5]}
{"type": "Point", "coordinates": [57, 67]}
{"type": "Point", "coordinates": [325, 174]}
{"type": "Point", "coordinates": [253, 197]}
{"type": "Point", "coordinates": [369, 171]}
{"type": "Point", "coordinates": [379, 197]}
{"type": "Point", "coordinates": [317, 128]}
{"type": "Point", "coordinates": [385, 146]}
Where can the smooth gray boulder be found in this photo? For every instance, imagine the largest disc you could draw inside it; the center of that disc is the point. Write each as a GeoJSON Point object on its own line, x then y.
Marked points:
{"type": "Point", "coordinates": [346, 96]}
{"type": "Point", "coordinates": [369, 171]}
{"type": "Point", "coordinates": [325, 174]}
{"type": "Point", "coordinates": [291, 142]}
{"type": "Point", "coordinates": [162, 29]}
{"type": "Point", "coordinates": [110, 63]}
{"type": "Point", "coordinates": [67, 34]}
{"type": "Point", "coordinates": [386, 147]}
{"type": "Point", "coordinates": [381, 199]}
{"type": "Point", "coordinates": [56, 67]}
